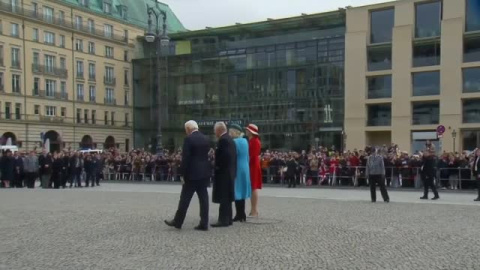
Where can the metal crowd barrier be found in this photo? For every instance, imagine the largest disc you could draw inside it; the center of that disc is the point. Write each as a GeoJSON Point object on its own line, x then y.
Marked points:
{"type": "Point", "coordinates": [396, 177]}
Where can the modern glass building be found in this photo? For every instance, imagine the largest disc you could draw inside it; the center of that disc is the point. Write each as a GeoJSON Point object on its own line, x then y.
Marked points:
{"type": "Point", "coordinates": [286, 76]}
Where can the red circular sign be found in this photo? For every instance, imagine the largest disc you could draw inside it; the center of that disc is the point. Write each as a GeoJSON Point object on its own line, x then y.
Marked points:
{"type": "Point", "coordinates": [441, 129]}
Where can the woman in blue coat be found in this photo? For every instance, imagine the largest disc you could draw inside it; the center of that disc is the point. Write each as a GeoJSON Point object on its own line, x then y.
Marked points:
{"type": "Point", "coordinates": [243, 189]}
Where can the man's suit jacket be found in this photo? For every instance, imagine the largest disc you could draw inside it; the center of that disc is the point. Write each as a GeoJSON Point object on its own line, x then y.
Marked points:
{"type": "Point", "coordinates": [195, 167]}
{"type": "Point", "coordinates": [476, 167]}
{"type": "Point", "coordinates": [225, 170]}
{"type": "Point", "coordinates": [428, 166]}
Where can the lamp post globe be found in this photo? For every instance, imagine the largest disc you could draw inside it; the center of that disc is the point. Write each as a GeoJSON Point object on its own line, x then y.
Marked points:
{"type": "Point", "coordinates": [149, 37]}
{"type": "Point", "coordinates": [164, 41]}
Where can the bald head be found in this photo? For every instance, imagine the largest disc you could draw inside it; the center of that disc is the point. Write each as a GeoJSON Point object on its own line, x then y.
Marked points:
{"type": "Point", "coordinates": [220, 128]}
{"type": "Point", "coordinates": [190, 127]}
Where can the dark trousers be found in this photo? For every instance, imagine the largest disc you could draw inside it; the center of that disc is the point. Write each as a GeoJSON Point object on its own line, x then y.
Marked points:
{"type": "Point", "coordinates": [17, 180]}
{"type": "Point", "coordinates": [291, 180]}
{"type": "Point", "coordinates": [429, 183]}
{"type": "Point", "coordinates": [97, 178]}
{"type": "Point", "coordinates": [478, 186]}
{"type": "Point", "coordinates": [77, 177]}
{"type": "Point", "coordinates": [240, 209]}
{"type": "Point", "coordinates": [90, 178]}
{"type": "Point", "coordinates": [56, 179]}
{"type": "Point", "coordinates": [65, 178]}
{"type": "Point", "coordinates": [30, 179]}
{"type": "Point", "coordinates": [225, 213]}
{"type": "Point", "coordinates": [188, 189]}
{"type": "Point", "coordinates": [374, 180]}
{"type": "Point", "coordinates": [45, 180]}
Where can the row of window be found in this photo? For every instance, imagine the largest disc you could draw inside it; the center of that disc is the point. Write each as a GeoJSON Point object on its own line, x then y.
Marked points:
{"type": "Point", "coordinates": [428, 18]}
{"type": "Point", "coordinates": [12, 112]}
{"type": "Point", "coordinates": [50, 90]}
{"type": "Point", "coordinates": [423, 83]}
{"type": "Point", "coordinates": [51, 111]}
{"type": "Point", "coordinates": [92, 95]}
{"type": "Point", "coordinates": [92, 118]}
{"type": "Point", "coordinates": [49, 38]}
{"type": "Point", "coordinates": [15, 83]}
{"type": "Point", "coordinates": [109, 78]}
{"type": "Point", "coordinates": [324, 51]}
{"type": "Point", "coordinates": [423, 54]}
{"type": "Point", "coordinates": [92, 92]}
{"type": "Point", "coordinates": [423, 113]}
{"type": "Point", "coordinates": [109, 51]}
{"type": "Point", "coordinates": [50, 65]}
{"type": "Point", "coordinates": [15, 113]}
{"type": "Point", "coordinates": [49, 16]}
{"type": "Point", "coordinates": [107, 7]}
{"type": "Point", "coordinates": [14, 57]}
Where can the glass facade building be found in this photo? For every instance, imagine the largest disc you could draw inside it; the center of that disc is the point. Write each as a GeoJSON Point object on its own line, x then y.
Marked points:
{"type": "Point", "coordinates": [286, 76]}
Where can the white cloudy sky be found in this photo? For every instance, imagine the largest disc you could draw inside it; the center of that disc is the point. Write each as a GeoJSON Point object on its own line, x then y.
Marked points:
{"type": "Point", "coordinates": [197, 14]}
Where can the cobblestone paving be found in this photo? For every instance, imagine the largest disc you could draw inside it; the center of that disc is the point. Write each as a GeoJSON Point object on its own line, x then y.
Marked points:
{"type": "Point", "coordinates": [104, 228]}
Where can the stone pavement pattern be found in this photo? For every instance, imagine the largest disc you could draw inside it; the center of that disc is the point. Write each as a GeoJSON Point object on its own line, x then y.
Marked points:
{"type": "Point", "coordinates": [113, 228]}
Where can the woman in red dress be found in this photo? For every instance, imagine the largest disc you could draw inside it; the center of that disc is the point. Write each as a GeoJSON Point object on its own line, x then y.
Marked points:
{"type": "Point", "coordinates": [254, 147]}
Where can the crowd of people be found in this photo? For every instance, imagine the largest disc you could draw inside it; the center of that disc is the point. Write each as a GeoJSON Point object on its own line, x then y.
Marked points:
{"type": "Point", "coordinates": [319, 166]}
{"type": "Point", "coordinates": [53, 170]}
{"type": "Point", "coordinates": [326, 166]}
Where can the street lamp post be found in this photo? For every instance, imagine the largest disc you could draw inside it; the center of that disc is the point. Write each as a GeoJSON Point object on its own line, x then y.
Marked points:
{"type": "Point", "coordinates": [454, 136]}
{"type": "Point", "coordinates": [162, 40]}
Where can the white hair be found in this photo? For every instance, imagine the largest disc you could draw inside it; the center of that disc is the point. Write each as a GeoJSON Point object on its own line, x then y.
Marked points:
{"type": "Point", "coordinates": [235, 133]}
{"type": "Point", "coordinates": [221, 126]}
{"type": "Point", "coordinates": [191, 125]}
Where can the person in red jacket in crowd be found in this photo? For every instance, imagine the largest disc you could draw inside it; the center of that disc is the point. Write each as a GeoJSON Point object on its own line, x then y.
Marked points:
{"type": "Point", "coordinates": [254, 148]}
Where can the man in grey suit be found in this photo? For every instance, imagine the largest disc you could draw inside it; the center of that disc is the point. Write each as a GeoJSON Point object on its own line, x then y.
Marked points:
{"type": "Point", "coordinates": [375, 172]}
{"type": "Point", "coordinates": [31, 167]}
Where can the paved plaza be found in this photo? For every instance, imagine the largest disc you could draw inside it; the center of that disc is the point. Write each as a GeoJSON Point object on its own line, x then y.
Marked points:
{"type": "Point", "coordinates": [120, 226]}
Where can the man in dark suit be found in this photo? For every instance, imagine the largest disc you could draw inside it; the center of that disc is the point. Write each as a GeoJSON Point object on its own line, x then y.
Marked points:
{"type": "Point", "coordinates": [428, 175]}
{"type": "Point", "coordinates": [195, 169]}
{"type": "Point", "coordinates": [76, 166]}
{"type": "Point", "coordinates": [476, 171]}
{"type": "Point", "coordinates": [224, 176]}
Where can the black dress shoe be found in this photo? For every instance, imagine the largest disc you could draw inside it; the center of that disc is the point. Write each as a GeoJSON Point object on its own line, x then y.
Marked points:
{"type": "Point", "coordinates": [477, 199]}
{"type": "Point", "coordinates": [172, 223]}
{"type": "Point", "coordinates": [435, 198]}
{"type": "Point", "coordinates": [387, 200]}
{"type": "Point", "coordinates": [201, 228]}
{"type": "Point", "coordinates": [218, 225]}
{"type": "Point", "coordinates": [424, 198]}
{"type": "Point", "coordinates": [241, 219]}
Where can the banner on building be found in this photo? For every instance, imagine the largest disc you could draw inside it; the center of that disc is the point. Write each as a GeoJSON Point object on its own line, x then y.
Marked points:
{"type": "Point", "coordinates": [211, 123]}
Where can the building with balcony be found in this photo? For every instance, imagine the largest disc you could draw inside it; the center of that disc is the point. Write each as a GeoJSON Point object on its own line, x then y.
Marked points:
{"type": "Point", "coordinates": [284, 75]}
{"type": "Point", "coordinates": [411, 66]}
{"type": "Point", "coordinates": [53, 54]}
